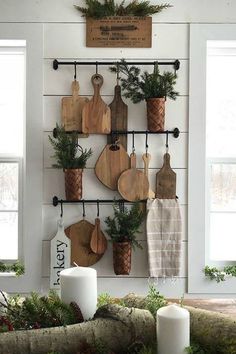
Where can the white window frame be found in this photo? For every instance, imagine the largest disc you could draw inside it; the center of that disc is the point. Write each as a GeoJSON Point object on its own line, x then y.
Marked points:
{"type": "Point", "coordinates": [197, 221]}
{"type": "Point", "coordinates": [32, 170]}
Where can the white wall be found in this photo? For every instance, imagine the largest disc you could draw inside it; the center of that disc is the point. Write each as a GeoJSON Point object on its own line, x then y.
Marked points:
{"type": "Point", "coordinates": [64, 38]}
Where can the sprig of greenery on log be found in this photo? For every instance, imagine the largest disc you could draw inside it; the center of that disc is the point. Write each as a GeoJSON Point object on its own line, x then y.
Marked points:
{"type": "Point", "coordinates": [96, 9]}
{"type": "Point", "coordinates": [16, 267]}
{"type": "Point", "coordinates": [218, 275]}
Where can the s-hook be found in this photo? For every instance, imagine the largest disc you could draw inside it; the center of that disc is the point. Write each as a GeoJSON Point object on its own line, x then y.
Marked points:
{"type": "Point", "coordinates": [167, 141]}
{"type": "Point", "coordinates": [98, 208]}
{"type": "Point", "coordinates": [61, 209]}
{"type": "Point", "coordinates": [117, 73]}
{"type": "Point", "coordinates": [146, 143]}
{"type": "Point", "coordinates": [96, 67]}
{"type": "Point", "coordinates": [133, 146]}
{"type": "Point", "coordinates": [83, 208]}
{"type": "Point", "coordinates": [75, 68]}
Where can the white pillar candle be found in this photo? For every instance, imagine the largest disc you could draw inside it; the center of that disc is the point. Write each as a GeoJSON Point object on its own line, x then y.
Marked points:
{"type": "Point", "coordinates": [173, 329]}
{"type": "Point", "coordinates": [79, 284]}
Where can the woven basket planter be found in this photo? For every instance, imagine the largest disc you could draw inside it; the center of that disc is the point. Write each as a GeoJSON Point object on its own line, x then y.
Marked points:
{"type": "Point", "coordinates": [156, 114]}
{"type": "Point", "coordinates": [122, 258]}
{"type": "Point", "coordinates": [73, 183]}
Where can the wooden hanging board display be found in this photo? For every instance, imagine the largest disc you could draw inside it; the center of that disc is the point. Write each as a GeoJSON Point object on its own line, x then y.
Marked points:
{"type": "Point", "coordinates": [166, 181]}
{"type": "Point", "coordinates": [60, 255]}
{"type": "Point", "coordinates": [119, 31]}
{"type": "Point", "coordinates": [133, 184]}
{"type": "Point", "coordinates": [96, 115]}
{"type": "Point", "coordinates": [98, 241]}
{"type": "Point", "coordinates": [110, 164]}
{"type": "Point", "coordinates": [71, 108]}
{"type": "Point", "coordinates": [119, 117]}
{"type": "Point", "coordinates": [146, 159]}
{"type": "Point", "coordinates": [80, 235]}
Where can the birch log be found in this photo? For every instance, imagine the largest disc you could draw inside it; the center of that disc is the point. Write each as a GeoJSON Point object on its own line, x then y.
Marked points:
{"type": "Point", "coordinates": [118, 327]}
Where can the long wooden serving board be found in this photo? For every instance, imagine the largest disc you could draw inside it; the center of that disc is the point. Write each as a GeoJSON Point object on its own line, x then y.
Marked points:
{"type": "Point", "coordinates": [166, 181]}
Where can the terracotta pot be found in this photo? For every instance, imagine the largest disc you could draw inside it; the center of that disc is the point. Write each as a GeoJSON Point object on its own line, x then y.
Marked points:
{"type": "Point", "coordinates": [122, 258]}
{"type": "Point", "coordinates": [156, 114]}
{"type": "Point", "coordinates": [73, 183]}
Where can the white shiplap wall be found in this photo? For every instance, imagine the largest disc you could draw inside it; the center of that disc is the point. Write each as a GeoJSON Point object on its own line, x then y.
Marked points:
{"type": "Point", "coordinates": [64, 38]}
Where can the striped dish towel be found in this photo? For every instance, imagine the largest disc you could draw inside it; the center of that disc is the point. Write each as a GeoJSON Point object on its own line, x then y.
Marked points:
{"type": "Point", "coordinates": [164, 237]}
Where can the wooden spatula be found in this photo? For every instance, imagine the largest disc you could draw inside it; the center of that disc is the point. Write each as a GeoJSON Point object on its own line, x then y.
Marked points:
{"type": "Point", "coordinates": [96, 115]}
{"type": "Point", "coordinates": [119, 117]}
{"type": "Point", "coordinates": [110, 164]}
{"type": "Point", "coordinates": [133, 184]}
{"type": "Point", "coordinates": [98, 241]}
{"type": "Point", "coordinates": [166, 181]}
{"type": "Point", "coordinates": [146, 159]}
{"type": "Point", "coordinates": [72, 109]}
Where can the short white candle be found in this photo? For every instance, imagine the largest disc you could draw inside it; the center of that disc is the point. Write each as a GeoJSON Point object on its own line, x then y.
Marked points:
{"type": "Point", "coordinates": [173, 329]}
{"type": "Point", "coordinates": [79, 284]}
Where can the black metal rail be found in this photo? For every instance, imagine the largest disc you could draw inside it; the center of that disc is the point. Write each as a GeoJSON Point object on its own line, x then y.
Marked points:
{"type": "Point", "coordinates": [56, 201]}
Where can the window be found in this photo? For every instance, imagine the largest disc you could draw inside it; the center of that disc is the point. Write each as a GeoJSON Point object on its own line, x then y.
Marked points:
{"type": "Point", "coordinates": [212, 155]}
{"type": "Point", "coordinates": [21, 146]}
{"type": "Point", "coordinates": [12, 111]}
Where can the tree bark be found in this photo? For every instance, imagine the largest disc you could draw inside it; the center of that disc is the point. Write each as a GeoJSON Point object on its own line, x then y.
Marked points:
{"type": "Point", "coordinates": [116, 326]}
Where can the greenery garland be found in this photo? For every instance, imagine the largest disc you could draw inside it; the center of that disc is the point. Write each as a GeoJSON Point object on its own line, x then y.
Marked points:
{"type": "Point", "coordinates": [96, 9]}
{"type": "Point", "coordinates": [214, 273]}
{"type": "Point", "coordinates": [16, 267]}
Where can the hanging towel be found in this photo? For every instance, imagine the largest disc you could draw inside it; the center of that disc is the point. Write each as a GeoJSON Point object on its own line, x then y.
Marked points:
{"type": "Point", "coordinates": [164, 237]}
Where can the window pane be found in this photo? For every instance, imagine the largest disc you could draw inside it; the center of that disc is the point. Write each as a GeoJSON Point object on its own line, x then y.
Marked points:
{"type": "Point", "coordinates": [12, 93]}
{"type": "Point", "coordinates": [9, 186]}
{"type": "Point", "coordinates": [223, 187]}
{"type": "Point", "coordinates": [223, 236]}
{"type": "Point", "coordinates": [8, 235]}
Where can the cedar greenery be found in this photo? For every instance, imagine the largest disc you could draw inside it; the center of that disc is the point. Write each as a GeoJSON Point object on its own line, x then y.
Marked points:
{"type": "Point", "coordinates": [38, 312]}
{"type": "Point", "coordinates": [214, 273]}
{"type": "Point", "coordinates": [139, 87]}
{"type": "Point", "coordinates": [16, 267]}
{"type": "Point", "coordinates": [125, 224]}
{"type": "Point", "coordinates": [96, 9]}
{"type": "Point", "coordinates": [66, 149]}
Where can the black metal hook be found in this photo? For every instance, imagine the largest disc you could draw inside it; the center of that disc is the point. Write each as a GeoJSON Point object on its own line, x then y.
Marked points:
{"type": "Point", "coordinates": [75, 68]}
{"type": "Point", "coordinates": [98, 208]}
{"type": "Point", "coordinates": [61, 209]}
{"type": "Point", "coordinates": [117, 73]}
{"type": "Point", "coordinates": [146, 143]}
{"type": "Point", "coordinates": [83, 208]}
{"type": "Point", "coordinates": [133, 145]}
{"type": "Point", "coordinates": [121, 206]}
{"type": "Point", "coordinates": [96, 67]}
{"type": "Point", "coordinates": [167, 140]}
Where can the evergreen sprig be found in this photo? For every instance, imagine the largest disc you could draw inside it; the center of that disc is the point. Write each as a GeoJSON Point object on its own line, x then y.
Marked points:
{"type": "Point", "coordinates": [218, 275]}
{"type": "Point", "coordinates": [96, 9]}
{"type": "Point", "coordinates": [66, 148]}
{"type": "Point", "coordinates": [125, 224]}
{"type": "Point", "coordinates": [154, 300]}
{"type": "Point", "coordinates": [141, 86]}
{"type": "Point", "coordinates": [16, 267]}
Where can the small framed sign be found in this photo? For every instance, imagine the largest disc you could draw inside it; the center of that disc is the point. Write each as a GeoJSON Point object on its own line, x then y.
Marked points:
{"type": "Point", "coordinates": [123, 31]}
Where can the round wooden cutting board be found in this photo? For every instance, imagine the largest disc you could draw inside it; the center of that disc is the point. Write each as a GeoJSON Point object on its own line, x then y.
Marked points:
{"type": "Point", "coordinates": [80, 235]}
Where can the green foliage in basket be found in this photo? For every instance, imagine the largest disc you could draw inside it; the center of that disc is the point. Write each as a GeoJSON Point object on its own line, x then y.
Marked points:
{"type": "Point", "coordinates": [218, 275]}
{"type": "Point", "coordinates": [125, 224]}
{"type": "Point", "coordinates": [96, 9]}
{"type": "Point", "coordinates": [68, 153]}
{"type": "Point", "coordinates": [16, 267]}
{"type": "Point", "coordinates": [141, 86]}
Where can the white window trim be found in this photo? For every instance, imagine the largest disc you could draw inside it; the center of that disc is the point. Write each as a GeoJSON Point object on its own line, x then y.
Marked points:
{"type": "Point", "coordinates": [197, 282]}
{"type": "Point", "coordinates": [32, 166]}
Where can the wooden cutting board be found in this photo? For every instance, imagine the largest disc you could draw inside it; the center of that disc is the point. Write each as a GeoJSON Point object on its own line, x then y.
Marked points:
{"type": "Point", "coordinates": [71, 108]}
{"type": "Point", "coordinates": [146, 159]}
{"type": "Point", "coordinates": [96, 115]}
{"type": "Point", "coordinates": [80, 235]}
{"type": "Point", "coordinates": [133, 184]}
{"type": "Point", "coordinates": [110, 164]}
{"type": "Point", "coordinates": [166, 181]}
{"type": "Point", "coordinates": [119, 117]}
{"type": "Point", "coordinates": [98, 241]}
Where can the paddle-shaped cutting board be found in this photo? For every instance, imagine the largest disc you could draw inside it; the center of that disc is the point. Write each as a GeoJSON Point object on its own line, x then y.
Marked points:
{"type": "Point", "coordinates": [96, 115]}
{"type": "Point", "coordinates": [146, 159]}
{"type": "Point", "coordinates": [166, 181]}
{"type": "Point", "coordinates": [110, 164]}
{"type": "Point", "coordinates": [98, 241]}
{"type": "Point", "coordinates": [60, 253]}
{"type": "Point", "coordinates": [119, 117]}
{"type": "Point", "coordinates": [71, 108]}
{"type": "Point", "coordinates": [133, 184]}
{"type": "Point", "coordinates": [80, 235]}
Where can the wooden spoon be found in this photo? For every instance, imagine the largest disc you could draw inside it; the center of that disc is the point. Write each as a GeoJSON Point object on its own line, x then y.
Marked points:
{"type": "Point", "coordinates": [98, 241]}
{"type": "Point", "coordinates": [146, 159]}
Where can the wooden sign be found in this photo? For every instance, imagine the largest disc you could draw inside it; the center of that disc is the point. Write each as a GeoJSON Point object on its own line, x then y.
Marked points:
{"type": "Point", "coordinates": [123, 31]}
{"type": "Point", "coordinates": [60, 256]}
